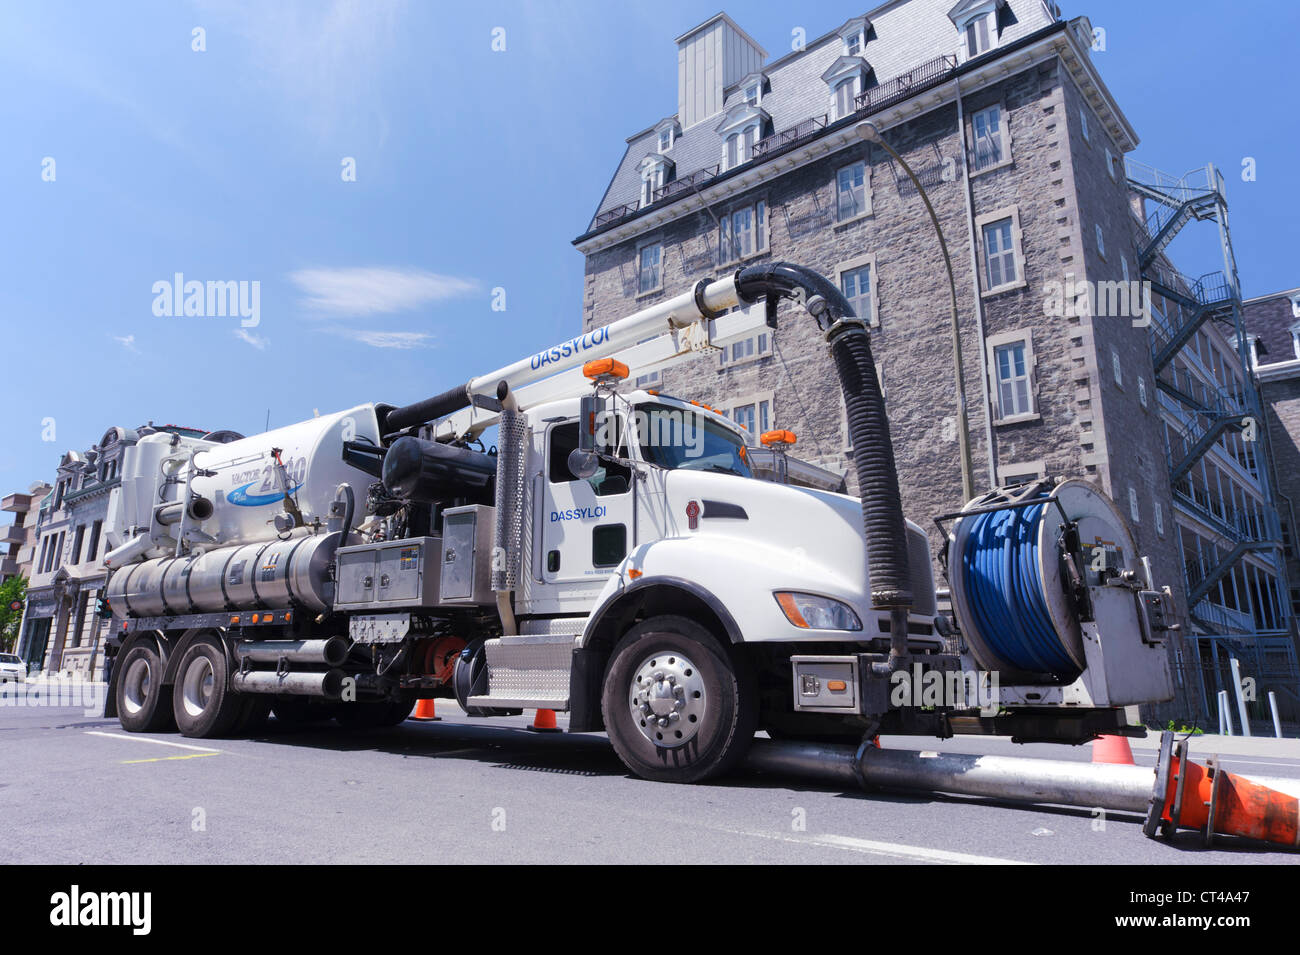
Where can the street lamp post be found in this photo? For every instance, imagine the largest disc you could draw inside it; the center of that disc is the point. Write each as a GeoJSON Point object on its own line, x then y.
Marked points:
{"type": "Point", "coordinates": [869, 132]}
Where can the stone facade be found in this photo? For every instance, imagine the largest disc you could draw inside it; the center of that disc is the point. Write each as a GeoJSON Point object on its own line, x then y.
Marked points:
{"type": "Point", "coordinates": [20, 536]}
{"type": "Point", "coordinates": [1273, 324]}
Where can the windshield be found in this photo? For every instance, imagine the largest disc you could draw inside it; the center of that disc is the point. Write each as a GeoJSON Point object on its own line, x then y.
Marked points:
{"type": "Point", "coordinates": [9, 658]}
{"type": "Point", "coordinates": [673, 438]}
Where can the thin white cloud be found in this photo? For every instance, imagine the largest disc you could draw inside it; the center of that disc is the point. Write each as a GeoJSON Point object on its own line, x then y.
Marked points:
{"type": "Point", "coordinates": [127, 342]}
{"type": "Point", "coordinates": [257, 341]}
{"type": "Point", "coordinates": [374, 339]}
{"type": "Point", "coordinates": [376, 290]}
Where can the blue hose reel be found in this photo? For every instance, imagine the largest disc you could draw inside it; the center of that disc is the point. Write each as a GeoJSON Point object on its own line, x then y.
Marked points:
{"type": "Point", "coordinates": [1016, 557]}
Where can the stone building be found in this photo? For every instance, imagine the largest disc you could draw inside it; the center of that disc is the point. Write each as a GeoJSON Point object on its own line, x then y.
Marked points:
{"type": "Point", "coordinates": [999, 108]}
{"type": "Point", "coordinates": [61, 632]}
{"type": "Point", "coordinates": [20, 536]}
{"type": "Point", "coordinates": [1273, 334]}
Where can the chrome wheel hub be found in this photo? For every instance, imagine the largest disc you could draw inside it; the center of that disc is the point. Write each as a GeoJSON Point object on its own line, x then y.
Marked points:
{"type": "Point", "coordinates": [667, 699]}
{"type": "Point", "coordinates": [196, 689]}
{"type": "Point", "coordinates": [136, 685]}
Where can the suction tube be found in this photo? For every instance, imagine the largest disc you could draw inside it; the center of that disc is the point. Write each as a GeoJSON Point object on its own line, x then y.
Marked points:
{"type": "Point", "coordinates": [873, 450]}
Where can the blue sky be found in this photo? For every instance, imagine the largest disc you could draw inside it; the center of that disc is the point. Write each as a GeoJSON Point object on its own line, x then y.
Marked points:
{"type": "Point", "coordinates": [474, 171]}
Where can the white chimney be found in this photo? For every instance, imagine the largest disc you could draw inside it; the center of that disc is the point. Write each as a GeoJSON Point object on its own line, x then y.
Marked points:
{"type": "Point", "coordinates": [711, 57]}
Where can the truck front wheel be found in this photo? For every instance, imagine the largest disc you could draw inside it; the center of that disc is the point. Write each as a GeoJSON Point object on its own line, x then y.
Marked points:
{"type": "Point", "coordinates": [679, 706]}
{"type": "Point", "coordinates": [202, 699]}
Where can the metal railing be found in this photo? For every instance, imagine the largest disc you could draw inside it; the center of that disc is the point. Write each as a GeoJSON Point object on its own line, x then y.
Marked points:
{"type": "Point", "coordinates": [895, 90]}
{"type": "Point", "coordinates": [686, 184]}
{"type": "Point", "coordinates": [789, 137]}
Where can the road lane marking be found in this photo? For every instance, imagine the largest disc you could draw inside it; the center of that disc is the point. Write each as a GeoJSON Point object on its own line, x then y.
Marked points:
{"type": "Point", "coordinates": [164, 759]}
{"type": "Point", "coordinates": [874, 847]}
{"type": "Point", "coordinates": [146, 739]}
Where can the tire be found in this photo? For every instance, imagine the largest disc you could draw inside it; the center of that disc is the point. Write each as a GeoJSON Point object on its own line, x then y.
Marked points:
{"type": "Point", "coordinates": [202, 701]}
{"type": "Point", "coordinates": [256, 709]}
{"type": "Point", "coordinates": [377, 714]}
{"type": "Point", "coordinates": [716, 711]}
{"type": "Point", "coordinates": [143, 703]}
{"type": "Point", "coordinates": [300, 710]}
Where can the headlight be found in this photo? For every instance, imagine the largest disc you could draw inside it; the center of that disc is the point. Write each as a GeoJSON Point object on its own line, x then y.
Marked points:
{"type": "Point", "coordinates": [810, 612]}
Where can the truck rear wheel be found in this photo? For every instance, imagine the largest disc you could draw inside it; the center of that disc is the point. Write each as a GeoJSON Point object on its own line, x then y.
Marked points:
{"type": "Point", "coordinates": [204, 705]}
{"type": "Point", "coordinates": [367, 714]}
{"type": "Point", "coordinates": [679, 707]}
{"type": "Point", "coordinates": [142, 700]}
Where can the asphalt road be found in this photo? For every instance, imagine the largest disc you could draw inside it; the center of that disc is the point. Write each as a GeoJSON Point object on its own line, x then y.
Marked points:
{"type": "Point", "coordinates": [77, 789]}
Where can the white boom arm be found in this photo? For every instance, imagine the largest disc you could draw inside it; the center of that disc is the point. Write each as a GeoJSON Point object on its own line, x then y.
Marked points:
{"type": "Point", "coordinates": [655, 338]}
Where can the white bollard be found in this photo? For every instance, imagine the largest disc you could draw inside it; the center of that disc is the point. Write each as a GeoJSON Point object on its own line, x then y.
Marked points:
{"type": "Point", "coordinates": [1277, 723]}
{"type": "Point", "coordinates": [1225, 715]}
{"type": "Point", "coordinates": [1235, 665]}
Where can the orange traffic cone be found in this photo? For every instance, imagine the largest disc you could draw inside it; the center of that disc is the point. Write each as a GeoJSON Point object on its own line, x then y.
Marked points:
{"type": "Point", "coordinates": [544, 722]}
{"type": "Point", "coordinates": [1221, 803]}
{"type": "Point", "coordinates": [1112, 749]}
{"type": "Point", "coordinates": [425, 711]}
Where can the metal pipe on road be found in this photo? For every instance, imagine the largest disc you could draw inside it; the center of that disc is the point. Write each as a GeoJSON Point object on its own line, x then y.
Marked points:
{"type": "Point", "coordinates": [1093, 785]}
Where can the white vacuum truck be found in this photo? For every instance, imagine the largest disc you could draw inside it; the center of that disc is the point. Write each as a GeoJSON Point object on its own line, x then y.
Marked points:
{"type": "Point", "coordinates": [637, 560]}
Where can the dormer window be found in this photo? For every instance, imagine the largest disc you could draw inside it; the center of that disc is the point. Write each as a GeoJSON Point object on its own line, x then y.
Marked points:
{"type": "Point", "coordinates": [1295, 340]}
{"type": "Point", "coordinates": [751, 89]}
{"type": "Point", "coordinates": [655, 172]}
{"type": "Point", "coordinates": [977, 26]}
{"type": "Point", "coordinates": [666, 135]}
{"type": "Point", "coordinates": [854, 36]}
{"type": "Point", "coordinates": [741, 128]}
{"type": "Point", "coordinates": [977, 36]}
{"type": "Point", "coordinates": [846, 79]}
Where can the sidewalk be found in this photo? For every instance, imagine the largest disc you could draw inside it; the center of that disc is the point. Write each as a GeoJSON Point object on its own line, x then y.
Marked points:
{"type": "Point", "coordinates": [1211, 744]}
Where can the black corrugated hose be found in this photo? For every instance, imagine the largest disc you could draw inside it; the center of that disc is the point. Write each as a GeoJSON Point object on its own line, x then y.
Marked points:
{"type": "Point", "coordinates": [873, 450]}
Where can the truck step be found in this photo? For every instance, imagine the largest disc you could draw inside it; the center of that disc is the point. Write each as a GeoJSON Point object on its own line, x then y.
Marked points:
{"type": "Point", "coordinates": [529, 671]}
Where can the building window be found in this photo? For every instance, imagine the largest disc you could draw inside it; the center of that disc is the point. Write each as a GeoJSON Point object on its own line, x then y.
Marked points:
{"type": "Point", "coordinates": [745, 350]}
{"type": "Point", "coordinates": [77, 539]}
{"type": "Point", "coordinates": [743, 232]}
{"type": "Point", "coordinates": [990, 141]}
{"type": "Point", "coordinates": [1159, 518]}
{"type": "Point", "coordinates": [1011, 365]}
{"type": "Point", "coordinates": [665, 139]}
{"type": "Point", "coordinates": [856, 286]}
{"type": "Point", "coordinates": [754, 94]}
{"type": "Point", "coordinates": [1083, 124]}
{"type": "Point", "coordinates": [740, 145]}
{"type": "Point", "coordinates": [851, 191]}
{"type": "Point", "coordinates": [978, 35]}
{"type": "Point", "coordinates": [1123, 264]}
{"type": "Point", "coordinates": [999, 254]}
{"type": "Point", "coordinates": [93, 548]}
{"type": "Point", "coordinates": [1101, 242]}
{"type": "Point", "coordinates": [1112, 167]}
{"type": "Point", "coordinates": [755, 417]}
{"type": "Point", "coordinates": [1116, 369]}
{"type": "Point", "coordinates": [650, 276]}
{"type": "Point", "coordinates": [1133, 510]}
{"type": "Point", "coordinates": [846, 93]}
{"type": "Point", "coordinates": [1142, 391]}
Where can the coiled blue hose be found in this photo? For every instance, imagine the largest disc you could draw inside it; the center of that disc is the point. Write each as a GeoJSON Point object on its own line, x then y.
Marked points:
{"type": "Point", "coordinates": [1003, 583]}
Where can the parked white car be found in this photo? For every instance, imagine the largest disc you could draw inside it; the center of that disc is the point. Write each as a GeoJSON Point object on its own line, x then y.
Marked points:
{"type": "Point", "coordinates": [12, 668]}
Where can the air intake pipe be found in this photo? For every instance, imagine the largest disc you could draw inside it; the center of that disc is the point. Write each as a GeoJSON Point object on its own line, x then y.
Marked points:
{"type": "Point", "coordinates": [873, 450]}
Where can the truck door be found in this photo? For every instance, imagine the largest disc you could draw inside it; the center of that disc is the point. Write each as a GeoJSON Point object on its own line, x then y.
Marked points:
{"type": "Point", "coordinates": [588, 526]}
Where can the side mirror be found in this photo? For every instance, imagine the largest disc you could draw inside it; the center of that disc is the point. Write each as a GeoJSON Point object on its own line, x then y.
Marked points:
{"type": "Point", "coordinates": [591, 409]}
{"type": "Point", "coordinates": [583, 464]}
